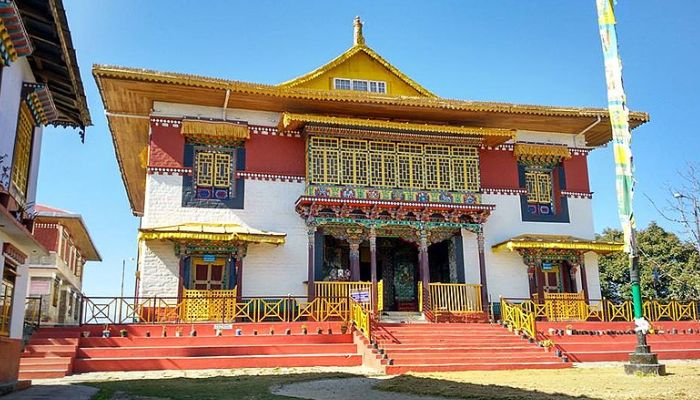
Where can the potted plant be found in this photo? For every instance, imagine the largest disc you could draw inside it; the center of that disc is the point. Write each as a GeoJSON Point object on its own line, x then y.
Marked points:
{"type": "Point", "coordinates": [319, 331]}
{"type": "Point", "coordinates": [547, 345]}
{"type": "Point", "coordinates": [86, 333]}
{"type": "Point", "coordinates": [272, 331]}
{"type": "Point", "coordinates": [106, 332]}
{"type": "Point", "coordinates": [255, 333]}
{"type": "Point", "coordinates": [193, 332]}
{"type": "Point", "coordinates": [122, 332]}
{"type": "Point", "coordinates": [569, 330]}
{"type": "Point", "coordinates": [287, 331]}
{"type": "Point", "coordinates": [304, 329]}
{"type": "Point", "coordinates": [330, 331]}
{"type": "Point", "coordinates": [344, 328]}
{"type": "Point", "coordinates": [164, 332]}
{"type": "Point", "coordinates": [218, 332]}
{"type": "Point", "coordinates": [148, 333]}
{"type": "Point", "coordinates": [239, 332]}
{"type": "Point", "coordinates": [178, 332]}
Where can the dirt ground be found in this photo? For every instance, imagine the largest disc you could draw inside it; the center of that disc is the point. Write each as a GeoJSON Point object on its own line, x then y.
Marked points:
{"type": "Point", "coordinates": [607, 382]}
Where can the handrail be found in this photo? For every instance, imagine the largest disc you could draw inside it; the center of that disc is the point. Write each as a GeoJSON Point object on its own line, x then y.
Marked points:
{"type": "Point", "coordinates": [344, 288]}
{"type": "Point", "coordinates": [519, 318]}
{"type": "Point", "coordinates": [361, 318]}
{"type": "Point", "coordinates": [123, 310]}
{"type": "Point", "coordinates": [606, 310]}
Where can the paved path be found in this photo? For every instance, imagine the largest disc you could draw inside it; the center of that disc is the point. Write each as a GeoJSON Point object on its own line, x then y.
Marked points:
{"type": "Point", "coordinates": [343, 389]}
{"type": "Point", "coordinates": [53, 392]}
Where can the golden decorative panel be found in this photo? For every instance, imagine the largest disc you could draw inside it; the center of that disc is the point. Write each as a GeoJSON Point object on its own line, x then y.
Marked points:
{"type": "Point", "coordinates": [393, 165]}
{"type": "Point", "coordinates": [539, 187]}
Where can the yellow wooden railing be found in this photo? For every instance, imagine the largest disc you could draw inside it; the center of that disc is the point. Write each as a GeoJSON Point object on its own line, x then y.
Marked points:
{"type": "Point", "coordinates": [420, 296]}
{"type": "Point", "coordinates": [208, 305]}
{"type": "Point", "coordinates": [455, 298]}
{"type": "Point", "coordinates": [576, 308]}
{"type": "Point", "coordinates": [344, 289]}
{"type": "Point", "coordinates": [519, 318]}
{"type": "Point", "coordinates": [360, 316]}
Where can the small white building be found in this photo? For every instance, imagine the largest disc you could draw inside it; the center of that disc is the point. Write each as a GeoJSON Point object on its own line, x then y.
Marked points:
{"type": "Point", "coordinates": [56, 280]}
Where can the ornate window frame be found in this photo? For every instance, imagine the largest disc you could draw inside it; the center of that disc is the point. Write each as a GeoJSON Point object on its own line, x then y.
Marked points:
{"type": "Point", "coordinates": [218, 190]}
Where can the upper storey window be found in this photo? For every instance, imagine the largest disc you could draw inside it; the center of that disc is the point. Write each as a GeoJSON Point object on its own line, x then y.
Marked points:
{"type": "Point", "coordinates": [23, 149]}
{"type": "Point", "coordinates": [393, 165]}
{"type": "Point", "coordinates": [213, 173]}
{"type": "Point", "coordinates": [359, 85]}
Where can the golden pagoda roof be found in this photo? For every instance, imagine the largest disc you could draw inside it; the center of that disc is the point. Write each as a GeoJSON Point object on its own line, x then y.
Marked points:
{"type": "Point", "coordinates": [211, 232]}
{"type": "Point", "coordinates": [128, 95]}
{"type": "Point", "coordinates": [536, 241]}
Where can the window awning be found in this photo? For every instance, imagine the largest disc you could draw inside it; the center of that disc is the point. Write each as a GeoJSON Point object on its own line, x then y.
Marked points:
{"type": "Point", "coordinates": [215, 131]}
{"type": "Point", "coordinates": [492, 136]}
{"type": "Point", "coordinates": [532, 241]}
{"type": "Point", "coordinates": [212, 232]}
{"type": "Point", "coordinates": [540, 153]}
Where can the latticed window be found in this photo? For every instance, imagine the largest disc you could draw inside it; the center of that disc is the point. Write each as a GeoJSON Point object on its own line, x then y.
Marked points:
{"type": "Point", "coordinates": [23, 148]}
{"type": "Point", "coordinates": [354, 162]}
{"type": "Point", "coordinates": [213, 169]}
{"type": "Point", "coordinates": [323, 160]}
{"type": "Point", "coordinates": [539, 187]}
{"type": "Point", "coordinates": [388, 164]}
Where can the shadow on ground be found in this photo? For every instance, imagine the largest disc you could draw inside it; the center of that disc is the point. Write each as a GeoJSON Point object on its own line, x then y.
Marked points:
{"type": "Point", "coordinates": [462, 390]}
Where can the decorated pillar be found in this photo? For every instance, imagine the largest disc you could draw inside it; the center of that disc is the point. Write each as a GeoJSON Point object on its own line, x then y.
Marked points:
{"type": "Point", "coordinates": [584, 279]}
{"type": "Point", "coordinates": [311, 285]}
{"type": "Point", "coordinates": [239, 276]}
{"type": "Point", "coordinates": [482, 271]}
{"type": "Point", "coordinates": [424, 266]}
{"type": "Point", "coordinates": [373, 266]}
{"type": "Point", "coordinates": [354, 258]}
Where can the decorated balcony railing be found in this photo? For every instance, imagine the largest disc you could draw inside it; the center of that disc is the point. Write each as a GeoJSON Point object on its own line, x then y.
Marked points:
{"type": "Point", "coordinates": [162, 310]}
{"type": "Point", "coordinates": [455, 298]}
{"type": "Point", "coordinates": [573, 307]}
{"type": "Point", "coordinates": [340, 289]}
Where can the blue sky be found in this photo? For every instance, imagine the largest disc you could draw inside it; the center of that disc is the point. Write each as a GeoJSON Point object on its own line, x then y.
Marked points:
{"type": "Point", "coordinates": [535, 52]}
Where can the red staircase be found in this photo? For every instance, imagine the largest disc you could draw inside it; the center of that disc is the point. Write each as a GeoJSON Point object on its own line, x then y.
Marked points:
{"type": "Point", "coordinates": [588, 345]}
{"type": "Point", "coordinates": [56, 352]}
{"type": "Point", "coordinates": [457, 347]}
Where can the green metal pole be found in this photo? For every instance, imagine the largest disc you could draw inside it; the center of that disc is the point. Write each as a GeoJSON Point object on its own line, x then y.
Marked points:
{"type": "Point", "coordinates": [636, 287]}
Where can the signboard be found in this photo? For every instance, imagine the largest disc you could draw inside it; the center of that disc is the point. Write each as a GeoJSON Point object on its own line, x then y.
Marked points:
{"type": "Point", "coordinates": [223, 326]}
{"type": "Point", "coordinates": [209, 258]}
{"type": "Point", "coordinates": [546, 266]}
{"type": "Point", "coordinates": [360, 295]}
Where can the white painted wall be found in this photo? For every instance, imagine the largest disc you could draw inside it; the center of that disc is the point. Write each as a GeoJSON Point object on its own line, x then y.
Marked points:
{"type": "Point", "coordinates": [268, 205]}
{"type": "Point", "coordinates": [505, 271]}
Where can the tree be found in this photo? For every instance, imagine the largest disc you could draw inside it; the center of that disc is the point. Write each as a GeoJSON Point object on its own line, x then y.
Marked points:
{"type": "Point", "coordinates": [670, 267]}
{"type": "Point", "coordinates": [683, 205]}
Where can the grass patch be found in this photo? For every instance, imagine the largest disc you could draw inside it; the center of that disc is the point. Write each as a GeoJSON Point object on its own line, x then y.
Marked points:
{"type": "Point", "coordinates": [683, 382]}
{"type": "Point", "coordinates": [242, 387]}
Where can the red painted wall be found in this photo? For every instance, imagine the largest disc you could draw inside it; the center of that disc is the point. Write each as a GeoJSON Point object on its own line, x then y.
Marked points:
{"type": "Point", "coordinates": [48, 237]}
{"type": "Point", "coordinates": [274, 154]}
{"type": "Point", "coordinates": [499, 169]}
{"type": "Point", "coordinates": [9, 360]}
{"type": "Point", "coordinates": [167, 147]}
{"type": "Point", "coordinates": [576, 170]}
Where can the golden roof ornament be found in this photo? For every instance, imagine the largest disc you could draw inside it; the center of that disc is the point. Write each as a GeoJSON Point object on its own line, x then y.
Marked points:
{"type": "Point", "coordinates": [358, 39]}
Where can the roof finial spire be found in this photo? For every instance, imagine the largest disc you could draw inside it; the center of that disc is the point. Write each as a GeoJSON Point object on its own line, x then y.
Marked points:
{"type": "Point", "coordinates": [359, 40]}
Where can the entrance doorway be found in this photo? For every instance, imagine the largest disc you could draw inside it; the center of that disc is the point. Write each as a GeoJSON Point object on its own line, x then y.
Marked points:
{"type": "Point", "coordinates": [208, 274]}
{"type": "Point", "coordinates": [556, 277]}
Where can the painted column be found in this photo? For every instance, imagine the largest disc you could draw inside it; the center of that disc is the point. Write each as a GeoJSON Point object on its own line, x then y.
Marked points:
{"type": "Point", "coordinates": [482, 271]}
{"type": "Point", "coordinates": [424, 267]}
{"type": "Point", "coordinates": [19, 302]}
{"type": "Point", "coordinates": [584, 280]}
{"type": "Point", "coordinates": [540, 283]}
{"type": "Point", "coordinates": [311, 285]}
{"type": "Point", "coordinates": [239, 277]}
{"type": "Point", "coordinates": [373, 266]}
{"type": "Point", "coordinates": [354, 258]}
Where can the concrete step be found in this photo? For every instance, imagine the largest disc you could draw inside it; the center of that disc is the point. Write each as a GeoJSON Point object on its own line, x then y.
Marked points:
{"type": "Point", "coordinates": [202, 351]}
{"type": "Point", "coordinates": [401, 369]}
{"type": "Point", "coordinates": [223, 362]}
{"type": "Point", "coordinates": [42, 374]}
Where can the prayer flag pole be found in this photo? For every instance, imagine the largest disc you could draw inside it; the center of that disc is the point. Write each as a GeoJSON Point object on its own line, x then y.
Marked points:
{"type": "Point", "coordinates": [642, 360]}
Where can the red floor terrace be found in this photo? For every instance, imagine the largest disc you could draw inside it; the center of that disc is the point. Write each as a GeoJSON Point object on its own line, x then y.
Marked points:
{"type": "Point", "coordinates": [293, 332]}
